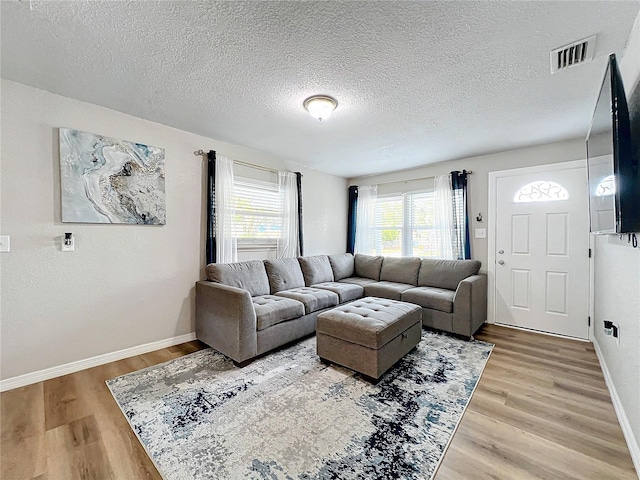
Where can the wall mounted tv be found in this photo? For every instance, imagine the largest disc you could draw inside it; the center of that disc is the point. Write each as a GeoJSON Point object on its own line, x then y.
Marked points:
{"type": "Point", "coordinates": [613, 160]}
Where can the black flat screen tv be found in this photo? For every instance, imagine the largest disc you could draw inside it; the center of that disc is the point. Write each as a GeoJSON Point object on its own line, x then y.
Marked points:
{"type": "Point", "coordinates": [613, 161]}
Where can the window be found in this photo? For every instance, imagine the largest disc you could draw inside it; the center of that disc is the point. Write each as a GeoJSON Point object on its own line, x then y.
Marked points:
{"type": "Point", "coordinates": [422, 224]}
{"type": "Point", "coordinates": [606, 187]}
{"type": "Point", "coordinates": [541, 191]}
{"type": "Point", "coordinates": [258, 212]}
{"type": "Point", "coordinates": [404, 225]}
{"type": "Point", "coordinates": [388, 226]}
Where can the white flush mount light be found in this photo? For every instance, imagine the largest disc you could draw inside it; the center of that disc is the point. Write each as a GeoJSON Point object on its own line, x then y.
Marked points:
{"type": "Point", "coordinates": [320, 106]}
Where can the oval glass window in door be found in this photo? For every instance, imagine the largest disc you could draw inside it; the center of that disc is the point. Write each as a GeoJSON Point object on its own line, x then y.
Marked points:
{"type": "Point", "coordinates": [541, 191]}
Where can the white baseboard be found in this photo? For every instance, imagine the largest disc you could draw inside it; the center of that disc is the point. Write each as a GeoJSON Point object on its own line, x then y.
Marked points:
{"type": "Point", "coordinates": [48, 373]}
{"type": "Point", "coordinates": [632, 442]}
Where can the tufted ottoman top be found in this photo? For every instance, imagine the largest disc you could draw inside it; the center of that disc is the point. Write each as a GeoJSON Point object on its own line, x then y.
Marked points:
{"type": "Point", "coordinates": [371, 321]}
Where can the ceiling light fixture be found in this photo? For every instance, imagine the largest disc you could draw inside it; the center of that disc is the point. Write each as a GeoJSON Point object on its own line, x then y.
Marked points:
{"type": "Point", "coordinates": [320, 106]}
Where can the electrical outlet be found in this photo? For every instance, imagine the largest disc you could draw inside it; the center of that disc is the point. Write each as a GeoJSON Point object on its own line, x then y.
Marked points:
{"type": "Point", "coordinates": [70, 246]}
{"type": "Point", "coordinates": [5, 243]}
{"type": "Point", "coordinates": [480, 233]}
{"type": "Point", "coordinates": [612, 330]}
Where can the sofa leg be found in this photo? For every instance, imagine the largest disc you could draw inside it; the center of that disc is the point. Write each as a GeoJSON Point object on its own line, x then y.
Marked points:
{"type": "Point", "coordinates": [242, 364]}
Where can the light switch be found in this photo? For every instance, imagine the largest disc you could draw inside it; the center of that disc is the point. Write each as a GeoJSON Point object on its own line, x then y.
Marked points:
{"type": "Point", "coordinates": [480, 233]}
{"type": "Point", "coordinates": [5, 243]}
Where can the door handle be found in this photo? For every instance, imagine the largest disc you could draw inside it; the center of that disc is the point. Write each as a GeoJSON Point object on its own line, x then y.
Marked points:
{"type": "Point", "coordinates": [500, 252]}
{"type": "Point", "coordinates": [500, 262]}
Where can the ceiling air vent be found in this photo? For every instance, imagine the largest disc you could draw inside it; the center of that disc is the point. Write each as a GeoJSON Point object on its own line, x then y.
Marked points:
{"type": "Point", "coordinates": [573, 54]}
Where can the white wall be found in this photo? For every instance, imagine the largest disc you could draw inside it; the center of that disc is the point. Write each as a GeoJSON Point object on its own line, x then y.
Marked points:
{"type": "Point", "coordinates": [617, 298]}
{"type": "Point", "coordinates": [617, 295]}
{"type": "Point", "coordinates": [125, 285]}
{"type": "Point", "coordinates": [630, 62]}
{"type": "Point", "coordinates": [478, 185]}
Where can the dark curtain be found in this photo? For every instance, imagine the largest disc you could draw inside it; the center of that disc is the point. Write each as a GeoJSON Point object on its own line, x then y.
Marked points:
{"type": "Point", "coordinates": [300, 232]}
{"type": "Point", "coordinates": [461, 244]}
{"type": "Point", "coordinates": [351, 219]}
{"type": "Point", "coordinates": [211, 207]}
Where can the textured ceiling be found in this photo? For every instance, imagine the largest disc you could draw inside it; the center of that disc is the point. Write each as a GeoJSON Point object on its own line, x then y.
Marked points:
{"type": "Point", "coordinates": [417, 82]}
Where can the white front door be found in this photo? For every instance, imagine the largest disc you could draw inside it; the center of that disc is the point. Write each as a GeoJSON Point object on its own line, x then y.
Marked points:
{"type": "Point", "coordinates": [541, 250]}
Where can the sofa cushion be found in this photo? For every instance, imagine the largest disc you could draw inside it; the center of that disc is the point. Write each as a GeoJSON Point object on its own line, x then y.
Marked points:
{"type": "Point", "coordinates": [345, 291]}
{"type": "Point", "coordinates": [367, 266]}
{"type": "Point", "coordinates": [446, 273]}
{"type": "Point", "coordinates": [284, 274]}
{"type": "Point", "coordinates": [313, 299]}
{"type": "Point", "coordinates": [358, 281]}
{"type": "Point", "coordinates": [250, 276]}
{"type": "Point", "coordinates": [342, 265]}
{"type": "Point", "coordinates": [271, 310]}
{"type": "Point", "coordinates": [400, 270]}
{"type": "Point", "coordinates": [430, 297]}
{"type": "Point", "coordinates": [316, 269]}
{"type": "Point", "coordinates": [391, 290]}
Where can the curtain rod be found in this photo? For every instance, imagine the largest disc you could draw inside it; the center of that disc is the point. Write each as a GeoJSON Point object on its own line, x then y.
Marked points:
{"type": "Point", "coordinates": [201, 152]}
{"type": "Point", "coordinates": [470, 172]}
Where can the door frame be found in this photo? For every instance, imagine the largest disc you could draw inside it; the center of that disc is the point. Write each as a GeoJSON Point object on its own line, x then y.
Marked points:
{"type": "Point", "coordinates": [492, 225]}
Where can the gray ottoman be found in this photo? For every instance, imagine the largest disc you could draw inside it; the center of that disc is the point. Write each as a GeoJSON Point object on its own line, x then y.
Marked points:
{"type": "Point", "coordinates": [369, 335]}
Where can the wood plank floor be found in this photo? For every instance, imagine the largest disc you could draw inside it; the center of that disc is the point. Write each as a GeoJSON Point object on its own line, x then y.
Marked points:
{"type": "Point", "coordinates": [541, 411]}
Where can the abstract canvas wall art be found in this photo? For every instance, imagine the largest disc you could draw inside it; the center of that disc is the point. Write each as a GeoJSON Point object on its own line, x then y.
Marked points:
{"type": "Point", "coordinates": [107, 180]}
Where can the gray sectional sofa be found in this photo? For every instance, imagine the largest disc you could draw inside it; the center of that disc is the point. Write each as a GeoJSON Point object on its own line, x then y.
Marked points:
{"type": "Point", "coordinates": [245, 309]}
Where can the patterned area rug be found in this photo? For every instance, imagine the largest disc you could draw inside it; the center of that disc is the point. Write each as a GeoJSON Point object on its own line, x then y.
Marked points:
{"type": "Point", "coordinates": [288, 416]}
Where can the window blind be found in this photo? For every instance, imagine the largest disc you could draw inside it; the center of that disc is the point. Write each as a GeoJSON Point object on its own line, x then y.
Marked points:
{"type": "Point", "coordinates": [421, 223]}
{"type": "Point", "coordinates": [404, 225]}
{"type": "Point", "coordinates": [388, 226]}
{"type": "Point", "coordinates": [258, 211]}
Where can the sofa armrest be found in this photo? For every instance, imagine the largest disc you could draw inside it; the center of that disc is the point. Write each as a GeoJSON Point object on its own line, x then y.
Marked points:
{"type": "Point", "coordinates": [226, 320]}
{"type": "Point", "coordinates": [470, 305]}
